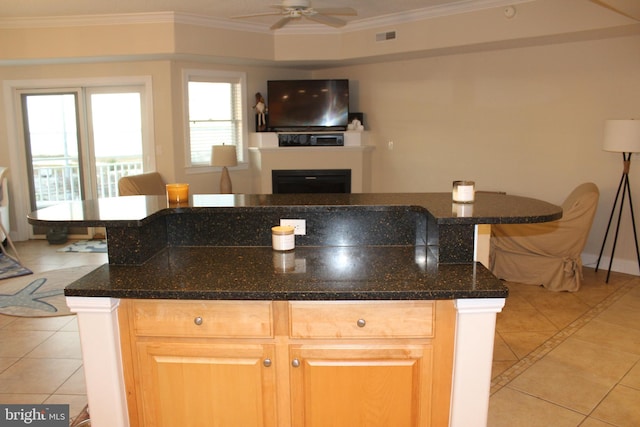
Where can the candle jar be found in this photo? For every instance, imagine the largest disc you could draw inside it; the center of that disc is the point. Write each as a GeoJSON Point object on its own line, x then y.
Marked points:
{"type": "Point", "coordinates": [463, 191]}
{"type": "Point", "coordinates": [282, 238]}
{"type": "Point", "coordinates": [177, 193]}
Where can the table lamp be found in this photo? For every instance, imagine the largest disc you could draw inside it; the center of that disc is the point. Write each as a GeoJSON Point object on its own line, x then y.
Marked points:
{"type": "Point", "coordinates": [223, 156]}
{"type": "Point", "coordinates": [621, 136]}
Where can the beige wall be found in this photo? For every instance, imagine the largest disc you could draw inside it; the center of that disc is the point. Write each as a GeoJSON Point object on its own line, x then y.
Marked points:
{"type": "Point", "coordinates": [527, 121]}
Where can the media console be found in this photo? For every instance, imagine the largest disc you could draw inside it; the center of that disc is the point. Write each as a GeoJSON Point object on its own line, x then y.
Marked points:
{"type": "Point", "coordinates": [348, 138]}
{"type": "Point", "coordinates": [310, 139]}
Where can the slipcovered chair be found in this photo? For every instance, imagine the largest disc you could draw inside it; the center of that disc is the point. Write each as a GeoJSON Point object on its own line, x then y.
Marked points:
{"type": "Point", "coordinates": [149, 184]}
{"type": "Point", "coordinates": [546, 254]}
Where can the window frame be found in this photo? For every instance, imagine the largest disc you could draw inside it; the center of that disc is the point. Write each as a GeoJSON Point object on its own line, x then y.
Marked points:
{"type": "Point", "coordinates": [215, 76]}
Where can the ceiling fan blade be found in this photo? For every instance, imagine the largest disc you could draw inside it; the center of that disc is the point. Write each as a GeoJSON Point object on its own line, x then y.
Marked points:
{"type": "Point", "coordinates": [344, 11]}
{"type": "Point", "coordinates": [281, 23]}
{"type": "Point", "coordinates": [328, 20]}
{"type": "Point", "coordinates": [635, 14]}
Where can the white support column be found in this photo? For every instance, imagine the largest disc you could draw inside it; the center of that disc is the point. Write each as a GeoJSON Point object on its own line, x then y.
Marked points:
{"type": "Point", "coordinates": [482, 244]}
{"type": "Point", "coordinates": [100, 341]}
{"type": "Point", "coordinates": [475, 330]}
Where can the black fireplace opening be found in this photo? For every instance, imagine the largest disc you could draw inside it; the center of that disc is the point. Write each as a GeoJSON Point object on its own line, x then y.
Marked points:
{"type": "Point", "coordinates": [311, 181]}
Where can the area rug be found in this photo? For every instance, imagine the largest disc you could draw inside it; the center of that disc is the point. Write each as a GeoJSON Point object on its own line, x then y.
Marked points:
{"type": "Point", "coordinates": [97, 246]}
{"type": "Point", "coordinates": [40, 295]}
{"type": "Point", "coordinates": [11, 268]}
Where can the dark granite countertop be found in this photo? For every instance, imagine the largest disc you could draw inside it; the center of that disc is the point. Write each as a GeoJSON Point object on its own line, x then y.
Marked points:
{"type": "Point", "coordinates": [133, 211]}
{"type": "Point", "coordinates": [357, 246]}
{"type": "Point", "coordinates": [306, 273]}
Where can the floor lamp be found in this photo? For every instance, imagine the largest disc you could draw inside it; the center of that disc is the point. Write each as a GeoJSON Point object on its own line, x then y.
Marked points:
{"type": "Point", "coordinates": [621, 136]}
{"type": "Point", "coordinates": [224, 156]}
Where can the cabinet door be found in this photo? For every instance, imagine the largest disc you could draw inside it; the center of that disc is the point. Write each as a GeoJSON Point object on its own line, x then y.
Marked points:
{"type": "Point", "coordinates": [197, 384]}
{"type": "Point", "coordinates": [361, 385]}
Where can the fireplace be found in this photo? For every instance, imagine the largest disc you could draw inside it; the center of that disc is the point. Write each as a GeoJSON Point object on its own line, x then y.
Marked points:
{"type": "Point", "coordinates": [311, 181]}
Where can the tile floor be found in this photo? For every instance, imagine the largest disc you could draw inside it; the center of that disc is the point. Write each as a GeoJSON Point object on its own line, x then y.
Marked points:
{"type": "Point", "coordinates": [560, 359]}
{"type": "Point", "coordinates": [40, 358]}
{"type": "Point", "coordinates": [568, 359]}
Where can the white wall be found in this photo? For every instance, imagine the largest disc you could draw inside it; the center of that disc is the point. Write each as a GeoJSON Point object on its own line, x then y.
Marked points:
{"type": "Point", "coordinates": [527, 121]}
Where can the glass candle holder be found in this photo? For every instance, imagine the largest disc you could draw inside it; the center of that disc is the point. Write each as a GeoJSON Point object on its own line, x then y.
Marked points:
{"type": "Point", "coordinates": [464, 191]}
{"type": "Point", "coordinates": [178, 193]}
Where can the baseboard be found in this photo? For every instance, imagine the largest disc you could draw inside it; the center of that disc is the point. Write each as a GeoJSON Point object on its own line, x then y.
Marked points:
{"type": "Point", "coordinates": [627, 266]}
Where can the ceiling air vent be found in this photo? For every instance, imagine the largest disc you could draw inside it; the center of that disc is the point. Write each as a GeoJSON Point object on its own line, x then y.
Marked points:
{"type": "Point", "coordinates": [389, 35]}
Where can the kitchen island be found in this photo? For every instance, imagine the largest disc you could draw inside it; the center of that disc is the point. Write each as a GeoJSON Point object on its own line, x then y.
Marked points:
{"type": "Point", "coordinates": [382, 285]}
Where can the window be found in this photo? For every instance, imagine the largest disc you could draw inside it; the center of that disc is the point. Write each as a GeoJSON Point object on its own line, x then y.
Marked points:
{"type": "Point", "coordinates": [215, 112]}
{"type": "Point", "coordinates": [62, 146]}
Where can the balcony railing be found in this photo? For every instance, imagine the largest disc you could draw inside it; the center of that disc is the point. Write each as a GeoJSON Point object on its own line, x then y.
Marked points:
{"type": "Point", "coordinates": [54, 181]}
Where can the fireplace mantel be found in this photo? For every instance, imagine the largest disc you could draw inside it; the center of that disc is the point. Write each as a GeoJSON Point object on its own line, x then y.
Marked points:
{"type": "Point", "coordinates": [265, 156]}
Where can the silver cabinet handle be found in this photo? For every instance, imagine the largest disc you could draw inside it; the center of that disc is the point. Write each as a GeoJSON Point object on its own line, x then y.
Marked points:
{"type": "Point", "coordinates": [295, 363]}
{"type": "Point", "coordinates": [266, 362]}
{"type": "Point", "coordinates": [361, 323]}
{"type": "Point", "coordinates": [198, 320]}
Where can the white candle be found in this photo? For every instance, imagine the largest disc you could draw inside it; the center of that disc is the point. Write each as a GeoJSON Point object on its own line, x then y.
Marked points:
{"type": "Point", "coordinates": [463, 191]}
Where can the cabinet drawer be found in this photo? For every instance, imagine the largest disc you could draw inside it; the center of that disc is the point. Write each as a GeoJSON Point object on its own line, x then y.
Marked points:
{"type": "Point", "coordinates": [238, 319]}
{"type": "Point", "coordinates": [397, 319]}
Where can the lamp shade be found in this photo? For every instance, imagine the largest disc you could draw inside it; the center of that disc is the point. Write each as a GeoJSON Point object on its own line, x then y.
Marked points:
{"type": "Point", "coordinates": [224, 155]}
{"type": "Point", "coordinates": [622, 136]}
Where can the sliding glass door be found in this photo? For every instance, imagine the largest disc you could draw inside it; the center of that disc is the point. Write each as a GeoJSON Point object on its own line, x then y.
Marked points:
{"type": "Point", "coordinates": [80, 142]}
{"type": "Point", "coordinates": [51, 130]}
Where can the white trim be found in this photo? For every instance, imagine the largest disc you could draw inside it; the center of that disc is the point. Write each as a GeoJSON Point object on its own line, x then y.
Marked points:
{"type": "Point", "coordinates": [473, 357]}
{"type": "Point", "coordinates": [17, 156]}
{"type": "Point", "coordinates": [475, 306]}
{"type": "Point", "coordinates": [88, 20]}
{"type": "Point", "coordinates": [102, 360]}
{"type": "Point", "coordinates": [627, 266]}
{"type": "Point", "coordinates": [462, 6]}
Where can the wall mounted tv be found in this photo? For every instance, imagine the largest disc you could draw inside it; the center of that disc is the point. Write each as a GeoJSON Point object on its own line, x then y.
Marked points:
{"type": "Point", "coordinates": [308, 105]}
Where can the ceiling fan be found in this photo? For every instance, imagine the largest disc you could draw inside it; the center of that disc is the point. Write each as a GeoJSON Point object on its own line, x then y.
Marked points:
{"type": "Point", "coordinates": [296, 9]}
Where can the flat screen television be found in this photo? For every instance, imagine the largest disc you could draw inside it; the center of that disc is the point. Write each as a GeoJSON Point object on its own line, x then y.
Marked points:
{"type": "Point", "coordinates": [308, 105]}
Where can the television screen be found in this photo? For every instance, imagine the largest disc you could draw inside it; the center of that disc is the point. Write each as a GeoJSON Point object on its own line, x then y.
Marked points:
{"type": "Point", "coordinates": [308, 105]}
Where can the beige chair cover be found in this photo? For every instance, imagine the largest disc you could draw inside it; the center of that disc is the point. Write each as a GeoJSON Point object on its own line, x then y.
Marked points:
{"type": "Point", "coordinates": [145, 184]}
{"type": "Point", "coordinates": [548, 253]}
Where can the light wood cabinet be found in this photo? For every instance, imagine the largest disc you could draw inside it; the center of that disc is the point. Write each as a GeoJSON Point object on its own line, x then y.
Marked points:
{"type": "Point", "coordinates": [302, 364]}
{"type": "Point", "coordinates": [361, 385]}
{"type": "Point", "coordinates": [182, 384]}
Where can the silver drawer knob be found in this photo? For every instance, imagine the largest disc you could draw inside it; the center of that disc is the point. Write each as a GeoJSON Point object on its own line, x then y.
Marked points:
{"type": "Point", "coordinates": [295, 363]}
{"type": "Point", "coordinates": [198, 320]}
{"type": "Point", "coordinates": [361, 323]}
{"type": "Point", "coordinates": [266, 362]}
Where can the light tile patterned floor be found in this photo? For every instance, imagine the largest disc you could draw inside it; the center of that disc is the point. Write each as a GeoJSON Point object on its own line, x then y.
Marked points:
{"type": "Point", "coordinates": [560, 359]}
{"type": "Point", "coordinates": [569, 359]}
{"type": "Point", "coordinates": [40, 358]}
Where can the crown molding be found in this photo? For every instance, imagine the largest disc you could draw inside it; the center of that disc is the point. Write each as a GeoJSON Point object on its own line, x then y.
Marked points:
{"type": "Point", "coordinates": [463, 6]}
{"type": "Point", "coordinates": [88, 20]}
